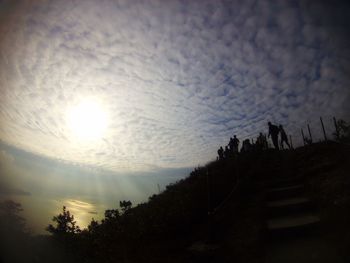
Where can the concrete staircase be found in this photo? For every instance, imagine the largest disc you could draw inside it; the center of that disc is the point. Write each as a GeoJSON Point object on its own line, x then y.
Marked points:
{"type": "Point", "coordinates": [289, 211]}
{"type": "Point", "coordinates": [292, 224]}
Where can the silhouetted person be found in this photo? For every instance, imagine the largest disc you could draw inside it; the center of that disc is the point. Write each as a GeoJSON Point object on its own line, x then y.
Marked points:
{"type": "Point", "coordinates": [231, 145]}
{"type": "Point", "coordinates": [273, 131]}
{"type": "Point", "coordinates": [235, 143]}
{"type": "Point", "coordinates": [261, 142]}
{"type": "Point", "coordinates": [227, 152]}
{"type": "Point", "coordinates": [284, 137]}
{"type": "Point", "coordinates": [246, 146]}
{"type": "Point", "coordinates": [221, 153]}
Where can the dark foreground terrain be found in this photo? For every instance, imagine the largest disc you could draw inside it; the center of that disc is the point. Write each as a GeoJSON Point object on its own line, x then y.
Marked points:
{"type": "Point", "coordinates": [175, 226]}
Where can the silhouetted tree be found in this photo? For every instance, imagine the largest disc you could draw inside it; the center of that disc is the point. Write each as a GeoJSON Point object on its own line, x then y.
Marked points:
{"type": "Point", "coordinates": [15, 243]}
{"type": "Point", "coordinates": [93, 226]}
{"type": "Point", "coordinates": [65, 224]}
{"type": "Point", "coordinates": [112, 214]}
{"type": "Point", "coordinates": [125, 205]}
{"type": "Point", "coordinates": [10, 220]}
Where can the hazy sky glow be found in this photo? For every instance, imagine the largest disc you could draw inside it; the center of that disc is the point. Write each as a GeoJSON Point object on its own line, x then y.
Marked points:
{"type": "Point", "coordinates": [155, 87]}
{"type": "Point", "coordinates": [44, 185]}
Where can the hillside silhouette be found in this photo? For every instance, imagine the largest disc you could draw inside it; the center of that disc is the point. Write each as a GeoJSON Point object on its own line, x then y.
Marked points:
{"type": "Point", "coordinates": [217, 214]}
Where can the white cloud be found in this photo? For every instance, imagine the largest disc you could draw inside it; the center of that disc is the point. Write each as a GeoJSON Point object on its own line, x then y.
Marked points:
{"type": "Point", "coordinates": [177, 79]}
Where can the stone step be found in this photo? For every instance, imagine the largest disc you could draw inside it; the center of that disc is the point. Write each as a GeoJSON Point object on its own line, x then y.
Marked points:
{"type": "Point", "coordinates": [299, 220]}
{"type": "Point", "coordinates": [287, 202]}
{"type": "Point", "coordinates": [289, 206]}
{"type": "Point", "coordinates": [287, 188]}
{"type": "Point", "coordinates": [292, 226]}
{"type": "Point", "coordinates": [285, 181]}
{"type": "Point", "coordinates": [278, 193]}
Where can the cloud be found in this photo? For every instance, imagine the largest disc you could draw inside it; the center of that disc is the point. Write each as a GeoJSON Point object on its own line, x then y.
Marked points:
{"type": "Point", "coordinates": [93, 212]}
{"type": "Point", "coordinates": [6, 158]}
{"type": "Point", "coordinates": [177, 79]}
{"type": "Point", "coordinates": [12, 191]}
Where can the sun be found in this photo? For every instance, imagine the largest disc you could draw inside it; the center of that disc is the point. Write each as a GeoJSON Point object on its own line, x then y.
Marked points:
{"type": "Point", "coordinates": [87, 120]}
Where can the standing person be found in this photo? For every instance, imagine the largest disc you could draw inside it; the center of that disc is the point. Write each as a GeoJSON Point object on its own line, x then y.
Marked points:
{"type": "Point", "coordinates": [284, 137]}
{"type": "Point", "coordinates": [226, 152]}
{"type": "Point", "coordinates": [235, 144]}
{"type": "Point", "coordinates": [246, 146]}
{"type": "Point", "coordinates": [231, 146]}
{"type": "Point", "coordinates": [273, 131]}
{"type": "Point", "coordinates": [260, 142]}
{"type": "Point", "coordinates": [221, 153]}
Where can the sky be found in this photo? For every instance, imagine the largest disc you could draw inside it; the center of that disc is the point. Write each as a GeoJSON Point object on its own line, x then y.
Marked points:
{"type": "Point", "coordinates": [168, 82]}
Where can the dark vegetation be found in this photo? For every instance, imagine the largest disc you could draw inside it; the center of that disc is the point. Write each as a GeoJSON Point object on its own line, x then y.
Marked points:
{"type": "Point", "coordinates": [174, 225]}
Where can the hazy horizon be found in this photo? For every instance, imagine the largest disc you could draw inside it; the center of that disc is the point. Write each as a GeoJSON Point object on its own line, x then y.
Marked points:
{"type": "Point", "coordinates": [43, 186]}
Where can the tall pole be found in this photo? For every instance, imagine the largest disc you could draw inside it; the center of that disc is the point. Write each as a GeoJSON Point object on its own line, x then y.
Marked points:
{"type": "Point", "coordinates": [291, 142]}
{"type": "Point", "coordinates": [308, 127]}
{"type": "Point", "coordinates": [324, 131]}
{"type": "Point", "coordinates": [302, 134]}
{"type": "Point", "coordinates": [280, 144]}
{"type": "Point", "coordinates": [336, 128]}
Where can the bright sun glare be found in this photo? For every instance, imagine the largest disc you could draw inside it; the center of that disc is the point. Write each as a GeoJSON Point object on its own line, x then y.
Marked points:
{"type": "Point", "coordinates": [87, 120]}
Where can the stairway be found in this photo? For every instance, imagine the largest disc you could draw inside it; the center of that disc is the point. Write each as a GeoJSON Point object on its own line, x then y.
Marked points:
{"type": "Point", "coordinates": [292, 223]}
{"type": "Point", "coordinates": [289, 211]}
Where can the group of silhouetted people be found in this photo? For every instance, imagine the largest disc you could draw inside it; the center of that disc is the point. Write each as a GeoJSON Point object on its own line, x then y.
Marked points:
{"type": "Point", "coordinates": [230, 149]}
{"type": "Point", "coordinates": [274, 130]}
{"type": "Point", "coordinates": [260, 143]}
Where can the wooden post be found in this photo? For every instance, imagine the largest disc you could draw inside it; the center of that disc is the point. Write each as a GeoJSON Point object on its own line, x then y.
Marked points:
{"type": "Point", "coordinates": [324, 131]}
{"type": "Point", "coordinates": [280, 144]}
{"type": "Point", "coordinates": [302, 134]}
{"type": "Point", "coordinates": [308, 127]}
{"type": "Point", "coordinates": [291, 142]}
{"type": "Point", "coordinates": [336, 128]}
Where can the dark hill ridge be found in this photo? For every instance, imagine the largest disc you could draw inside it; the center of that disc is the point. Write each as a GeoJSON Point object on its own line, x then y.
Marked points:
{"type": "Point", "coordinates": [174, 226]}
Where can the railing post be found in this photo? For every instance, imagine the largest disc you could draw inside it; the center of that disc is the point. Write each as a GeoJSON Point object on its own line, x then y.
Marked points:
{"type": "Point", "coordinates": [302, 134]}
{"type": "Point", "coordinates": [336, 128]}
{"type": "Point", "coordinates": [324, 131]}
{"type": "Point", "coordinates": [308, 127]}
{"type": "Point", "coordinates": [280, 144]}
